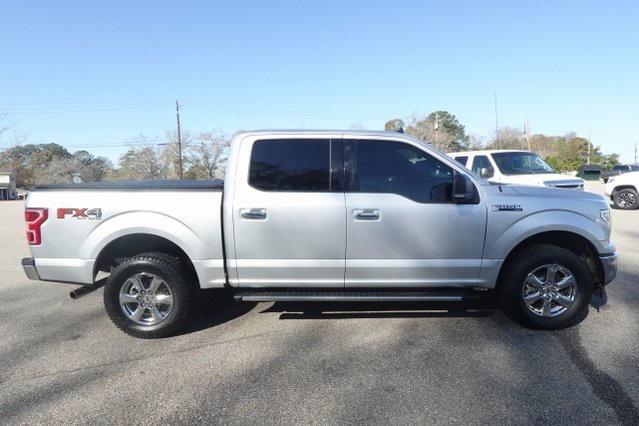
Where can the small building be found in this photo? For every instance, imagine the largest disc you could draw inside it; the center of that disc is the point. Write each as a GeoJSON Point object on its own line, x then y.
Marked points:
{"type": "Point", "coordinates": [589, 172]}
{"type": "Point", "coordinates": [7, 185]}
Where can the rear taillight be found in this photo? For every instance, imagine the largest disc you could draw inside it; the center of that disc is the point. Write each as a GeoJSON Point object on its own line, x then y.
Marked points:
{"type": "Point", "coordinates": [35, 217]}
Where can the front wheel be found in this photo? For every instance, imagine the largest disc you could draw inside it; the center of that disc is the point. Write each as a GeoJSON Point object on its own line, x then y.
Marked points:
{"type": "Point", "coordinates": [147, 296]}
{"type": "Point", "coordinates": [626, 199]}
{"type": "Point", "coordinates": [546, 287]}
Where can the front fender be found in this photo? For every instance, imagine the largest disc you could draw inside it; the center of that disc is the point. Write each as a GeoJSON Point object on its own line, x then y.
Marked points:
{"type": "Point", "coordinates": [503, 236]}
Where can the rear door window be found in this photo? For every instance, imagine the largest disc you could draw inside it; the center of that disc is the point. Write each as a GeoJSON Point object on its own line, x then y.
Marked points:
{"type": "Point", "coordinates": [300, 165]}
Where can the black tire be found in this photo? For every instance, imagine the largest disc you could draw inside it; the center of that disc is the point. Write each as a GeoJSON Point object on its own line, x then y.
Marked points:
{"type": "Point", "coordinates": [167, 268]}
{"type": "Point", "coordinates": [626, 199]}
{"type": "Point", "coordinates": [175, 262]}
{"type": "Point", "coordinates": [513, 279]}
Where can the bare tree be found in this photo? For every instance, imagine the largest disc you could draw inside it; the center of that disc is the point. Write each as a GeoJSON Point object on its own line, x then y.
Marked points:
{"type": "Point", "coordinates": [4, 125]}
{"type": "Point", "coordinates": [171, 152]}
{"type": "Point", "coordinates": [140, 164]}
{"type": "Point", "coordinates": [59, 170]}
{"type": "Point", "coordinates": [509, 138]}
{"type": "Point", "coordinates": [207, 157]}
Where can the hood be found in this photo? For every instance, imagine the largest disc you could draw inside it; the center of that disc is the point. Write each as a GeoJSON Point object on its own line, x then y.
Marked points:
{"type": "Point", "coordinates": [545, 179]}
{"type": "Point", "coordinates": [625, 177]}
{"type": "Point", "coordinates": [546, 192]}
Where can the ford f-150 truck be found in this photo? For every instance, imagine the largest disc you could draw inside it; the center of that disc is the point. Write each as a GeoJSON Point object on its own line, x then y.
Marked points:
{"type": "Point", "coordinates": [323, 216]}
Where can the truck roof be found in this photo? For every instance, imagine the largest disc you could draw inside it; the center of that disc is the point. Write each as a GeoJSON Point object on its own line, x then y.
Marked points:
{"type": "Point", "coordinates": [485, 151]}
{"type": "Point", "coordinates": [289, 132]}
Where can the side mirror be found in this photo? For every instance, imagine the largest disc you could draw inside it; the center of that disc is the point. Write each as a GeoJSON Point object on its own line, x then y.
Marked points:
{"type": "Point", "coordinates": [463, 189]}
{"type": "Point", "coordinates": [484, 172]}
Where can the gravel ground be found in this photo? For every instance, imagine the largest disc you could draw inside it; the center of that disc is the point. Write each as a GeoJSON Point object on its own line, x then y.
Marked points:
{"type": "Point", "coordinates": [63, 361]}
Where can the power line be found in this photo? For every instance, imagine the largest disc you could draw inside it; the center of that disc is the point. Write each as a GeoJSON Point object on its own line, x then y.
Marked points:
{"type": "Point", "coordinates": [43, 111]}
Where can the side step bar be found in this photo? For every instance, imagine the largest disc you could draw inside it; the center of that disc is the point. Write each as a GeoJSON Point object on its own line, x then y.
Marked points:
{"type": "Point", "coordinates": [357, 296]}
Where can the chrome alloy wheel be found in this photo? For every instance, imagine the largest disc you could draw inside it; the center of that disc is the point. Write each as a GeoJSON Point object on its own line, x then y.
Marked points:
{"type": "Point", "coordinates": [625, 199]}
{"type": "Point", "coordinates": [550, 290]}
{"type": "Point", "coordinates": [146, 299]}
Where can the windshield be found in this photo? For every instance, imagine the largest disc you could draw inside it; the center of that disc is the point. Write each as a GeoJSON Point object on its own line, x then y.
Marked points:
{"type": "Point", "coordinates": [520, 163]}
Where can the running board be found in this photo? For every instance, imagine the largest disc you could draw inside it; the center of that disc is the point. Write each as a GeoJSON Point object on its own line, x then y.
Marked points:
{"type": "Point", "coordinates": [448, 295]}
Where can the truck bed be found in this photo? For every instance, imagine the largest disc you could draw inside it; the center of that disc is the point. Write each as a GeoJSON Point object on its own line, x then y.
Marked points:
{"type": "Point", "coordinates": [85, 219]}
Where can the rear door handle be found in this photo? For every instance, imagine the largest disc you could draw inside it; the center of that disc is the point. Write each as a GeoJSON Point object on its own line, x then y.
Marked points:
{"type": "Point", "coordinates": [254, 214]}
{"type": "Point", "coordinates": [366, 214]}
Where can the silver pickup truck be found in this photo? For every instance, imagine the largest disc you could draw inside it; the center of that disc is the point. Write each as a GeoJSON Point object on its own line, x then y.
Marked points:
{"type": "Point", "coordinates": [323, 216]}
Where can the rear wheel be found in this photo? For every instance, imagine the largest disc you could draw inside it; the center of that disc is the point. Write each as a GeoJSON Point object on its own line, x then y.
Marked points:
{"type": "Point", "coordinates": [626, 198]}
{"type": "Point", "coordinates": [546, 287]}
{"type": "Point", "coordinates": [147, 296]}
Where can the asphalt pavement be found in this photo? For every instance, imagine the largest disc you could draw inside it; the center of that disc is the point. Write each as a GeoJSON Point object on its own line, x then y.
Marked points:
{"type": "Point", "coordinates": [63, 361]}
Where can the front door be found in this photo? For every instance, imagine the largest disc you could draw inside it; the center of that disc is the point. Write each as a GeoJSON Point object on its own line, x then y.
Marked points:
{"type": "Point", "coordinates": [403, 230]}
{"type": "Point", "coordinates": [289, 214]}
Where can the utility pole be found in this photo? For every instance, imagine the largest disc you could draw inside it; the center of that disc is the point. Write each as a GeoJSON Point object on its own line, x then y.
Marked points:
{"type": "Point", "coordinates": [635, 153]}
{"type": "Point", "coordinates": [436, 129]}
{"type": "Point", "coordinates": [589, 145]}
{"type": "Point", "coordinates": [496, 123]}
{"type": "Point", "coordinates": [527, 133]}
{"type": "Point", "coordinates": [179, 138]}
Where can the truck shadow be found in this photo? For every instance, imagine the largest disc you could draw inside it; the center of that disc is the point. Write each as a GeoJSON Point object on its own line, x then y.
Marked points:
{"type": "Point", "coordinates": [484, 307]}
{"type": "Point", "coordinates": [213, 308]}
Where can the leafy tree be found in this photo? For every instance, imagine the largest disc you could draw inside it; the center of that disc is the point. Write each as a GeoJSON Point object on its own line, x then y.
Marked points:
{"type": "Point", "coordinates": [442, 129]}
{"type": "Point", "coordinates": [31, 162]}
{"type": "Point", "coordinates": [395, 125]}
{"type": "Point", "coordinates": [567, 153]}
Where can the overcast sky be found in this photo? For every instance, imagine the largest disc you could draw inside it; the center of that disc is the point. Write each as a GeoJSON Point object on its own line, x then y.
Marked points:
{"type": "Point", "coordinates": [90, 75]}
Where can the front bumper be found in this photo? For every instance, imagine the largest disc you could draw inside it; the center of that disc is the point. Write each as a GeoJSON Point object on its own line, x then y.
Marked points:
{"type": "Point", "coordinates": [28, 264]}
{"type": "Point", "coordinates": [609, 267]}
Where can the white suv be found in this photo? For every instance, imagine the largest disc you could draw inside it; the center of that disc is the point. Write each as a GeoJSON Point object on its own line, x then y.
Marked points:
{"type": "Point", "coordinates": [622, 190]}
{"type": "Point", "coordinates": [515, 167]}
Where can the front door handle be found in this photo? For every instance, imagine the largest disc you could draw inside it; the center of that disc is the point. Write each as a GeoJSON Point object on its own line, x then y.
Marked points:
{"type": "Point", "coordinates": [254, 214]}
{"type": "Point", "coordinates": [366, 214]}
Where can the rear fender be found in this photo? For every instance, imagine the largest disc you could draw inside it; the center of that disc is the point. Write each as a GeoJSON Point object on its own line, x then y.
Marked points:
{"type": "Point", "coordinates": [141, 222]}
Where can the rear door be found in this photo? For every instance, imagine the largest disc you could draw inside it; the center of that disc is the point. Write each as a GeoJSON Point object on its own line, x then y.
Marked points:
{"type": "Point", "coordinates": [403, 230]}
{"type": "Point", "coordinates": [289, 213]}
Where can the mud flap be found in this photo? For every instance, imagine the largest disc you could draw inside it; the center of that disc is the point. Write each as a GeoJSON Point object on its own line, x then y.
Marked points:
{"type": "Point", "coordinates": [599, 297]}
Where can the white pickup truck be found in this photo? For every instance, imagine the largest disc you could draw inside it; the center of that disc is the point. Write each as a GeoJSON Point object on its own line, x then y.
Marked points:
{"type": "Point", "coordinates": [623, 190]}
{"type": "Point", "coordinates": [323, 216]}
{"type": "Point", "coordinates": [511, 166]}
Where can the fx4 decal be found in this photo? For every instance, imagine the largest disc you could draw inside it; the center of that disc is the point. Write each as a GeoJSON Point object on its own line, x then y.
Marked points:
{"type": "Point", "coordinates": [90, 214]}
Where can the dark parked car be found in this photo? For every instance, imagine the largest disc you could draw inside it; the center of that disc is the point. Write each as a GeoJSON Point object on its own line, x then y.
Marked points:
{"type": "Point", "coordinates": [619, 169]}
